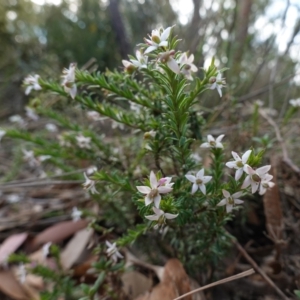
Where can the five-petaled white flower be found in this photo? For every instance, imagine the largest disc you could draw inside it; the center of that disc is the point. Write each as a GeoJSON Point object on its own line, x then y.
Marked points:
{"type": "Point", "coordinates": [83, 141]}
{"type": "Point", "coordinates": [112, 251]}
{"type": "Point", "coordinates": [89, 185]}
{"type": "Point", "coordinates": [168, 59]}
{"type": "Point", "coordinates": [76, 214]}
{"type": "Point", "coordinates": [160, 216]}
{"type": "Point", "coordinates": [198, 181]}
{"type": "Point", "coordinates": [230, 200]}
{"type": "Point", "coordinates": [187, 66]}
{"type": "Point", "coordinates": [254, 177]}
{"type": "Point", "coordinates": [2, 133]}
{"type": "Point", "coordinates": [265, 184]}
{"type": "Point", "coordinates": [295, 102]}
{"type": "Point", "coordinates": [238, 163]}
{"type": "Point", "coordinates": [68, 81]}
{"type": "Point", "coordinates": [141, 60]}
{"type": "Point", "coordinates": [213, 143]}
{"type": "Point", "coordinates": [32, 83]}
{"type": "Point", "coordinates": [158, 38]}
{"type": "Point", "coordinates": [153, 192]}
{"type": "Point", "coordinates": [217, 83]}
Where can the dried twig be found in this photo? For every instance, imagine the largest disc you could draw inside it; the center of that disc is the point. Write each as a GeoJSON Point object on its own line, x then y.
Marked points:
{"type": "Point", "coordinates": [234, 277]}
{"type": "Point", "coordinates": [277, 132]}
{"type": "Point", "coordinates": [259, 270]}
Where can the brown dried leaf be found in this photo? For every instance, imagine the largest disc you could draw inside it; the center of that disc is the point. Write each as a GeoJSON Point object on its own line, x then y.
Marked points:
{"type": "Point", "coordinates": [75, 247]}
{"type": "Point", "coordinates": [272, 207]}
{"type": "Point", "coordinates": [11, 287]}
{"type": "Point", "coordinates": [11, 244]}
{"type": "Point", "coordinates": [135, 284]}
{"type": "Point", "coordinates": [57, 233]}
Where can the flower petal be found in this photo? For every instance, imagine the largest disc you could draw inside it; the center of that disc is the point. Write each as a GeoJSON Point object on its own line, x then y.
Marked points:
{"type": "Point", "coordinates": [156, 200]}
{"type": "Point", "coordinates": [231, 164]}
{"type": "Point", "coordinates": [222, 202]}
{"type": "Point", "coordinates": [164, 36]}
{"type": "Point", "coordinates": [238, 174]}
{"type": "Point", "coordinates": [225, 193]}
{"type": "Point", "coordinates": [153, 180]}
{"type": "Point", "coordinates": [194, 188]}
{"type": "Point", "coordinates": [152, 217]}
{"type": "Point", "coordinates": [206, 179]}
{"type": "Point", "coordinates": [144, 189]}
{"type": "Point", "coordinates": [202, 188]}
{"type": "Point", "coordinates": [191, 178]}
{"type": "Point", "coordinates": [170, 216]}
{"type": "Point", "coordinates": [205, 145]}
{"type": "Point", "coordinates": [210, 138]}
{"type": "Point", "coordinates": [158, 211]}
{"type": "Point", "coordinates": [254, 187]}
{"type": "Point", "coordinates": [238, 201]}
{"type": "Point", "coordinates": [263, 170]}
{"type": "Point", "coordinates": [148, 200]}
{"type": "Point", "coordinates": [172, 64]}
{"type": "Point", "coordinates": [150, 49]}
{"type": "Point", "coordinates": [200, 174]}
{"type": "Point", "coordinates": [237, 194]}
{"type": "Point", "coordinates": [246, 182]}
{"type": "Point", "coordinates": [235, 155]}
{"type": "Point", "coordinates": [164, 189]}
{"type": "Point", "coordinates": [246, 156]}
{"type": "Point", "coordinates": [229, 208]}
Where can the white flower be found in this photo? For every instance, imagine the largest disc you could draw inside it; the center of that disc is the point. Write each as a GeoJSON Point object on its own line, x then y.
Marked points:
{"type": "Point", "coordinates": [21, 273]}
{"type": "Point", "coordinates": [68, 81]}
{"type": "Point", "coordinates": [168, 58]}
{"type": "Point", "coordinates": [76, 214]}
{"type": "Point", "coordinates": [42, 158]}
{"type": "Point", "coordinates": [141, 61]}
{"type": "Point", "coordinates": [213, 143]}
{"type": "Point", "coordinates": [32, 83]}
{"type": "Point", "coordinates": [230, 200]}
{"type": "Point", "coordinates": [51, 127]}
{"type": "Point", "coordinates": [94, 116]}
{"type": "Point", "coordinates": [254, 177]}
{"type": "Point", "coordinates": [29, 157]}
{"type": "Point", "coordinates": [158, 38]}
{"type": "Point", "coordinates": [266, 184]}
{"type": "Point", "coordinates": [83, 141]}
{"type": "Point", "coordinates": [196, 157]}
{"type": "Point", "coordinates": [295, 102]}
{"type": "Point", "coordinates": [198, 181]}
{"type": "Point", "coordinates": [17, 119]}
{"type": "Point", "coordinates": [46, 249]}
{"type": "Point", "coordinates": [89, 185]}
{"type": "Point", "coordinates": [2, 134]}
{"type": "Point", "coordinates": [160, 216]}
{"type": "Point", "coordinates": [129, 67]}
{"type": "Point", "coordinates": [112, 251]}
{"type": "Point", "coordinates": [153, 193]}
{"type": "Point", "coordinates": [30, 113]}
{"type": "Point", "coordinates": [13, 198]}
{"type": "Point", "coordinates": [187, 66]}
{"type": "Point", "coordinates": [238, 163]}
{"type": "Point", "coordinates": [135, 107]}
{"type": "Point", "coordinates": [217, 83]}
{"type": "Point", "coordinates": [149, 134]}
{"type": "Point", "coordinates": [90, 170]}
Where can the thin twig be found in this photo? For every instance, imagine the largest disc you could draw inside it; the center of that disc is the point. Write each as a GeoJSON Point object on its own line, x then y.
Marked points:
{"type": "Point", "coordinates": [41, 183]}
{"type": "Point", "coordinates": [277, 132]}
{"type": "Point", "coordinates": [234, 277]}
{"type": "Point", "coordinates": [259, 270]}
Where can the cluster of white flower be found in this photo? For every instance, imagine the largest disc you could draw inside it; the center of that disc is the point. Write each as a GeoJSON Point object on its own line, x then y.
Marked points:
{"type": "Point", "coordinates": [153, 195]}
{"type": "Point", "coordinates": [259, 179]}
{"type": "Point", "coordinates": [179, 63]}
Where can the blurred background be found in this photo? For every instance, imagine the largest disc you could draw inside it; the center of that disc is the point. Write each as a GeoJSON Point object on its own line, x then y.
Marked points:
{"type": "Point", "coordinates": [258, 40]}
